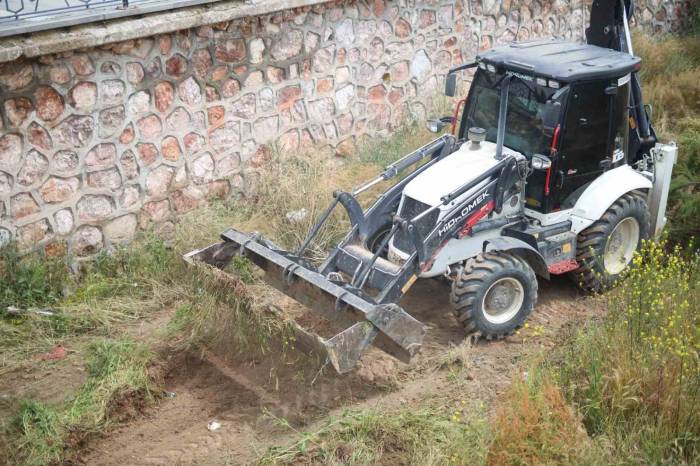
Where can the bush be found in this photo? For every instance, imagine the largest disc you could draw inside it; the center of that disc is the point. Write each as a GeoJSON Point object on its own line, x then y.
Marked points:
{"type": "Point", "coordinates": [537, 425]}
{"type": "Point", "coordinates": [685, 188]}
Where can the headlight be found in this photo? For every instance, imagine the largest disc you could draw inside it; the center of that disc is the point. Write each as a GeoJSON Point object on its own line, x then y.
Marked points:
{"type": "Point", "coordinates": [541, 162]}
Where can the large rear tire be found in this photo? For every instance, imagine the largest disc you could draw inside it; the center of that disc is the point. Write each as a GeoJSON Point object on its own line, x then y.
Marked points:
{"type": "Point", "coordinates": [494, 293]}
{"type": "Point", "coordinates": [605, 249]}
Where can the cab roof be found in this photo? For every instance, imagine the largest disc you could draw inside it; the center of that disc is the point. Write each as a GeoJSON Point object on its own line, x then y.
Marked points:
{"type": "Point", "coordinates": [561, 60]}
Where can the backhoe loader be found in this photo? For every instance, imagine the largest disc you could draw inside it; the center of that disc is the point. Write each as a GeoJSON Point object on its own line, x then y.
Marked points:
{"type": "Point", "coordinates": [552, 167]}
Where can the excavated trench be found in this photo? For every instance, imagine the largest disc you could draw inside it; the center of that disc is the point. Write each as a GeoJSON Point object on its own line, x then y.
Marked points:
{"type": "Point", "coordinates": [248, 395]}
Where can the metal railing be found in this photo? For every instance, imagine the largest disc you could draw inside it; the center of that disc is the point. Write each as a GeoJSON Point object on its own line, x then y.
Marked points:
{"type": "Point", "coordinates": [26, 16]}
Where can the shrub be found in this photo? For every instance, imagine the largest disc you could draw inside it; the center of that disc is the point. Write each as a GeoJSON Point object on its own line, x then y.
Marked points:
{"type": "Point", "coordinates": [670, 81]}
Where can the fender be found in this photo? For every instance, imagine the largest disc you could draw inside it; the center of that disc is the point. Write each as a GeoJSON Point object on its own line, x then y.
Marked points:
{"type": "Point", "coordinates": [603, 192]}
{"type": "Point", "coordinates": [519, 248]}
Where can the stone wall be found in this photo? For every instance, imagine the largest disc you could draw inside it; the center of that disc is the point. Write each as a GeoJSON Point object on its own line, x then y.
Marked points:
{"type": "Point", "coordinates": [97, 143]}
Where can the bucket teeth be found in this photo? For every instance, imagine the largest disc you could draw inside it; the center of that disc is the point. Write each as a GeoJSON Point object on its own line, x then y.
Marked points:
{"type": "Point", "coordinates": [398, 325]}
{"type": "Point", "coordinates": [346, 348]}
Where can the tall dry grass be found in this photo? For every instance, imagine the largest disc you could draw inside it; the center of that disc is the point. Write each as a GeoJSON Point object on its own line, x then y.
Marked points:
{"type": "Point", "coordinates": [536, 424]}
{"type": "Point", "coordinates": [670, 77]}
{"type": "Point", "coordinates": [294, 190]}
{"type": "Point", "coordinates": [425, 436]}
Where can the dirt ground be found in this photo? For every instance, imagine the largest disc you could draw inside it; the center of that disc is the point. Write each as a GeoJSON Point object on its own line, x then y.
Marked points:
{"type": "Point", "coordinates": [245, 394]}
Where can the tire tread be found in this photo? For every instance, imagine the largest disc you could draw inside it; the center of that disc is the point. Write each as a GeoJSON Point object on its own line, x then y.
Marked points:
{"type": "Point", "coordinates": [472, 278]}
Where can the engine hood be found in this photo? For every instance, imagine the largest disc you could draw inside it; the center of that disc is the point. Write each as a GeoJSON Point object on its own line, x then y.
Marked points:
{"type": "Point", "coordinates": [458, 168]}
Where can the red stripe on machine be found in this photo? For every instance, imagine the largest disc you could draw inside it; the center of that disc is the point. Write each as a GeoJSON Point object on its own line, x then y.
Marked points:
{"type": "Point", "coordinates": [475, 217]}
{"type": "Point", "coordinates": [552, 155]}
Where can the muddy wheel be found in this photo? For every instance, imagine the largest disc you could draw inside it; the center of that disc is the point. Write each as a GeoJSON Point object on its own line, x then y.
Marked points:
{"type": "Point", "coordinates": [494, 294]}
{"type": "Point", "coordinates": [605, 249]}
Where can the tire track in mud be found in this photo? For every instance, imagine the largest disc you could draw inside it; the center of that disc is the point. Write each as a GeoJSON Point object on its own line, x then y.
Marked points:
{"type": "Point", "coordinates": [239, 392]}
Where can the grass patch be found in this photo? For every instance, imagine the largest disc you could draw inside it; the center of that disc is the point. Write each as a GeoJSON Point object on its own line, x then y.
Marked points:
{"type": "Point", "coordinates": [42, 435]}
{"type": "Point", "coordinates": [426, 436]}
{"type": "Point", "coordinates": [118, 376]}
{"type": "Point", "coordinates": [227, 315]}
{"type": "Point", "coordinates": [117, 287]}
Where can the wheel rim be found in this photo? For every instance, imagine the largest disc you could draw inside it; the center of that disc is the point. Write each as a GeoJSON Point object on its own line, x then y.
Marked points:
{"type": "Point", "coordinates": [621, 245]}
{"type": "Point", "coordinates": [503, 300]}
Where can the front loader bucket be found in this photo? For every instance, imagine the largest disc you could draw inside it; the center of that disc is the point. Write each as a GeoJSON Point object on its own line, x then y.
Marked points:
{"type": "Point", "coordinates": [386, 326]}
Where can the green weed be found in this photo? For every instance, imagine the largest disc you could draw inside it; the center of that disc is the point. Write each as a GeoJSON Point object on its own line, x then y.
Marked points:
{"type": "Point", "coordinates": [117, 287]}
{"type": "Point", "coordinates": [425, 436]}
{"type": "Point", "coordinates": [118, 374]}
{"type": "Point", "coordinates": [41, 434]}
{"type": "Point", "coordinates": [30, 281]}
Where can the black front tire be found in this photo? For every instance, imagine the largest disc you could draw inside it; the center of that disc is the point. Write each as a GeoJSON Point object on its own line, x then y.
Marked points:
{"type": "Point", "coordinates": [592, 274]}
{"type": "Point", "coordinates": [474, 302]}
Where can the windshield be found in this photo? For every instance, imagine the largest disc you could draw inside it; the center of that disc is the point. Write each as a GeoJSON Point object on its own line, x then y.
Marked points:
{"type": "Point", "coordinates": [523, 122]}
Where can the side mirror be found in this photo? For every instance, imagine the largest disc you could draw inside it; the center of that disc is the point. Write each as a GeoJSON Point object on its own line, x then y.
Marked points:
{"type": "Point", "coordinates": [451, 85]}
{"type": "Point", "coordinates": [550, 116]}
{"type": "Point", "coordinates": [435, 125]}
{"type": "Point", "coordinates": [541, 162]}
{"type": "Point", "coordinates": [649, 109]}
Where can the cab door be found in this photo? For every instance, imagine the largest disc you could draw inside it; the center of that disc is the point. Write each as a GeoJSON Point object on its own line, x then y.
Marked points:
{"type": "Point", "coordinates": [583, 142]}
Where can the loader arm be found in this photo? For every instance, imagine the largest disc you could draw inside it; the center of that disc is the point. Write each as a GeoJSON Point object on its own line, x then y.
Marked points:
{"type": "Point", "coordinates": [340, 289]}
{"type": "Point", "coordinates": [355, 288]}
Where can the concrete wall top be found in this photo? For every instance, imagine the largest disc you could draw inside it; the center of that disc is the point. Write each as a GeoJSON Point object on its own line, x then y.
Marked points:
{"type": "Point", "coordinates": [650, 13]}
{"type": "Point", "coordinates": [97, 34]}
